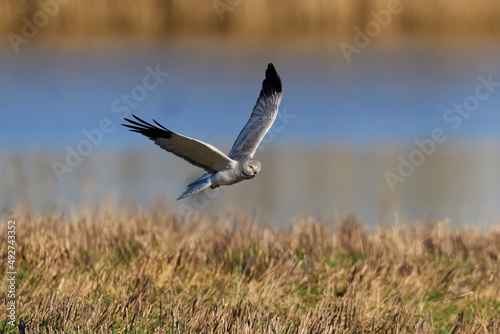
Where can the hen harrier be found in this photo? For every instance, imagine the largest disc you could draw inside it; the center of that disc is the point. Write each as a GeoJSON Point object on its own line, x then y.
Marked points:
{"type": "Point", "coordinates": [221, 169]}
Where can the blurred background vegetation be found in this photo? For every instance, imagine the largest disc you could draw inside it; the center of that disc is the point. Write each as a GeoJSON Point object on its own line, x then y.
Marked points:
{"type": "Point", "coordinates": [254, 19]}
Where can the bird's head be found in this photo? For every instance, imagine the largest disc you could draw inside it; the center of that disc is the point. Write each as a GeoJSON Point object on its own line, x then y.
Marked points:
{"type": "Point", "coordinates": [250, 168]}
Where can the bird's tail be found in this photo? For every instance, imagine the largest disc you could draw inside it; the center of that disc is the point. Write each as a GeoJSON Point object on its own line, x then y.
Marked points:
{"type": "Point", "coordinates": [197, 185]}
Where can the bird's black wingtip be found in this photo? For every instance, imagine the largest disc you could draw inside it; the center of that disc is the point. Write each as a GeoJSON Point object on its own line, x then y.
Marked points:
{"type": "Point", "coordinates": [132, 121]}
{"type": "Point", "coordinates": [272, 82]}
{"type": "Point", "coordinates": [147, 129]}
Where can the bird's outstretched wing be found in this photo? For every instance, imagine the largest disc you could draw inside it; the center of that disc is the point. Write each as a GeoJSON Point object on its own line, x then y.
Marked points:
{"type": "Point", "coordinates": [194, 151]}
{"type": "Point", "coordinates": [262, 118]}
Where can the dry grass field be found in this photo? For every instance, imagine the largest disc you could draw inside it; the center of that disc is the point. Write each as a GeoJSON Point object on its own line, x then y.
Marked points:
{"type": "Point", "coordinates": [154, 272]}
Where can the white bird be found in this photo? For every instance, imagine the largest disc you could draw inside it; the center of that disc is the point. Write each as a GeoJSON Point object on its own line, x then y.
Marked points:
{"type": "Point", "coordinates": [221, 169]}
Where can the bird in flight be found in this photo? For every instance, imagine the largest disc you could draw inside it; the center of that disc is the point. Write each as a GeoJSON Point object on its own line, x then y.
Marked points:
{"type": "Point", "coordinates": [221, 169]}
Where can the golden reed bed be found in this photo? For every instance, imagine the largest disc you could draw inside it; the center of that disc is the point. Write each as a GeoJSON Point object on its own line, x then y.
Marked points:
{"type": "Point", "coordinates": [146, 272]}
{"type": "Point", "coordinates": [250, 18]}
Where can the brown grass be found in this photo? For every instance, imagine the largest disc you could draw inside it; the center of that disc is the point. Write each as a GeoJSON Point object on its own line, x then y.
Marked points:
{"type": "Point", "coordinates": [145, 272]}
{"type": "Point", "coordinates": [255, 18]}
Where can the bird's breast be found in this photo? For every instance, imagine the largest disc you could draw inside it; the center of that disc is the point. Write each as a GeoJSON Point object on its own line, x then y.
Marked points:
{"type": "Point", "coordinates": [227, 177]}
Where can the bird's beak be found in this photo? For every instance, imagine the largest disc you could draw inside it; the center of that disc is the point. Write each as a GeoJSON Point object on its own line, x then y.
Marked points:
{"type": "Point", "coordinates": [257, 170]}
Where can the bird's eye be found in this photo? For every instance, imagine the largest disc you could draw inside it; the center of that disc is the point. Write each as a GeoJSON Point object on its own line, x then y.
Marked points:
{"type": "Point", "coordinates": [250, 167]}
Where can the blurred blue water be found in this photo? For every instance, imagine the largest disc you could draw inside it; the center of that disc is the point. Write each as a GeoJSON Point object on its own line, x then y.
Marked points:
{"type": "Point", "coordinates": [50, 95]}
{"type": "Point", "coordinates": [348, 124]}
